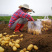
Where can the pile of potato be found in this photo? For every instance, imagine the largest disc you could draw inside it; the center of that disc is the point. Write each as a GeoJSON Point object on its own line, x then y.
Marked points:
{"type": "Point", "coordinates": [33, 29]}
{"type": "Point", "coordinates": [34, 32]}
{"type": "Point", "coordinates": [14, 44]}
{"type": "Point", "coordinates": [7, 41]}
{"type": "Point", "coordinates": [29, 48]}
{"type": "Point", "coordinates": [46, 25]}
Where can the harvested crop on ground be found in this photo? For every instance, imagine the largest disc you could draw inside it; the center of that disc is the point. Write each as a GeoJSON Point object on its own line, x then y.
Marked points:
{"type": "Point", "coordinates": [12, 41]}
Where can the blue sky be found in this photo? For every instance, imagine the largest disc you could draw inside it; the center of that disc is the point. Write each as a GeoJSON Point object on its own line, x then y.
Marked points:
{"type": "Point", "coordinates": [41, 7]}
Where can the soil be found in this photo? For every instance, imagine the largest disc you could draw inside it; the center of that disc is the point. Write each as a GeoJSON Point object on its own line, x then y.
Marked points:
{"type": "Point", "coordinates": [43, 41]}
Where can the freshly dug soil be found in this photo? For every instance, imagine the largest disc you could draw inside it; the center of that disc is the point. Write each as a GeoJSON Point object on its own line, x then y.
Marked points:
{"type": "Point", "coordinates": [43, 41]}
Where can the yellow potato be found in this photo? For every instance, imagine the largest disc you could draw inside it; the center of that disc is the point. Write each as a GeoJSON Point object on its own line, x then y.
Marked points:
{"type": "Point", "coordinates": [38, 32]}
{"type": "Point", "coordinates": [5, 33]}
{"type": "Point", "coordinates": [3, 42]}
{"type": "Point", "coordinates": [29, 30]}
{"type": "Point", "coordinates": [12, 40]}
{"type": "Point", "coordinates": [17, 41]}
{"type": "Point", "coordinates": [17, 45]}
{"type": "Point", "coordinates": [21, 35]}
{"type": "Point", "coordinates": [21, 50]}
{"type": "Point", "coordinates": [21, 39]}
{"type": "Point", "coordinates": [1, 49]}
{"type": "Point", "coordinates": [49, 27]}
{"type": "Point", "coordinates": [7, 38]}
{"type": "Point", "coordinates": [46, 28]}
{"type": "Point", "coordinates": [6, 42]}
{"type": "Point", "coordinates": [44, 22]}
{"type": "Point", "coordinates": [49, 22]}
{"type": "Point", "coordinates": [30, 47]}
{"type": "Point", "coordinates": [44, 25]}
{"type": "Point", "coordinates": [34, 32]}
{"type": "Point", "coordinates": [14, 48]}
{"type": "Point", "coordinates": [1, 35]}
{"type": "Point", "coordinates": [24, 49]}
{"type": "Point", "coordinates": [0, 40]}
{"type": "Point", "coordinates": [10, 36]}
{"type": "Point", "coordinates": [14, 32]}
{"type": "Point", "coordinates": [35, 47]}
{"type": "Point", "coordinates": [42, 29]}
{"type": "Point", "coordinates": [11, 44]}
{"type": "Point", "coordinates": [16, 35]}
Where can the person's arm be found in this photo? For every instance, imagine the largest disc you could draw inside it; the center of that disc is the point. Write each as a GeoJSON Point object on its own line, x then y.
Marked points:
{"type": "Point", "coordinates": [30, 18]}
{"type": "Point", "coordinates": [25, 15]}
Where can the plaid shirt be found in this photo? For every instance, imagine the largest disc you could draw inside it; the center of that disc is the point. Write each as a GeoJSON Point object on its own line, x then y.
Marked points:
{"type": "Point", "coordinates": [19, 14]}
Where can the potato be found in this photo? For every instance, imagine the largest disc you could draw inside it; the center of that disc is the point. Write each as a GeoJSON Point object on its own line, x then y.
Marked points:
{"type": "Point", "coordinates": [17, 45]}
{"type": "Point", "coordinates": [12, 40]}
{"type": "Point", "coordinates": [38, 32]}
{"type": "Point", "coordinates": [34, 32]}
{"type": "Point", "coordinates": [11, 44]}
{"type": "Point", "coordinates": [6, 42]}
{"type": "Point", "coordinates": [1, 35]}
{"type": "Point", "coordinates": [46, 28]}
{"type": "Point", "coordinates": [21, 50]}
{"type": "Point", "coordinates": [3, 42]}
{"type": "Point", "coordinates": [44, 22]}
{"type": "Point", "coordinates": [21, 35]}
{"type": "Point", "coordinates": [44, 25]}
{"type": "Point", "coordinates": [5, 33]}
{"type": "Point", "coordinates": [29, 30]}
{"type": "Point", "coordinates": [7, 38]}
{"type": "Point", "coordinates": [49, 27]}
{"type": "Point", "coordinates": [14, 32]}
{"type": "Point", "coordinates": [30, 47]}
{"type": "Point", "coordinates": [1, 49]}
{"type": "Point", "coordinates": [35, 47]}
{"type": "Point", "coordinates": [17, 41]}
{"type": "Point", "coordinates": [16, 35]}
{"type": "Point", "coordinates": [10, 36]}
{"type": "Point", "coordinates": [24, 49]}
{"type": "Point", "coordinates": [49, 22]}
{"type": "Point", "coordinates": [14, 48]}
{"type": "Point", "coordinates": [32, 23]}
{"type": "Point", "coordinates": [0, 40]}
{"type": "Point", "coordinates": [21, 39]}
{"type": "Point", "coordinates": [42, 29]}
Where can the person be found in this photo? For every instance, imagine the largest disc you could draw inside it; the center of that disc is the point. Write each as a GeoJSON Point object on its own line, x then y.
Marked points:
{"type": "Point", "coordinates": [19, 18]}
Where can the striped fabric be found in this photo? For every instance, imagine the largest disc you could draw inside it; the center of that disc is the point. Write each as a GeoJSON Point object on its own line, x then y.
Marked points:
{"type": "Point", "coordinates": [19, 14]}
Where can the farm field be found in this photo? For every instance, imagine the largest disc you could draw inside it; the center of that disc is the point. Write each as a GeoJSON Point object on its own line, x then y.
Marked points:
{"type": "Point", "coordinates": [7, 18]}
{"type": "Point", "coordinates": [43, 41]}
